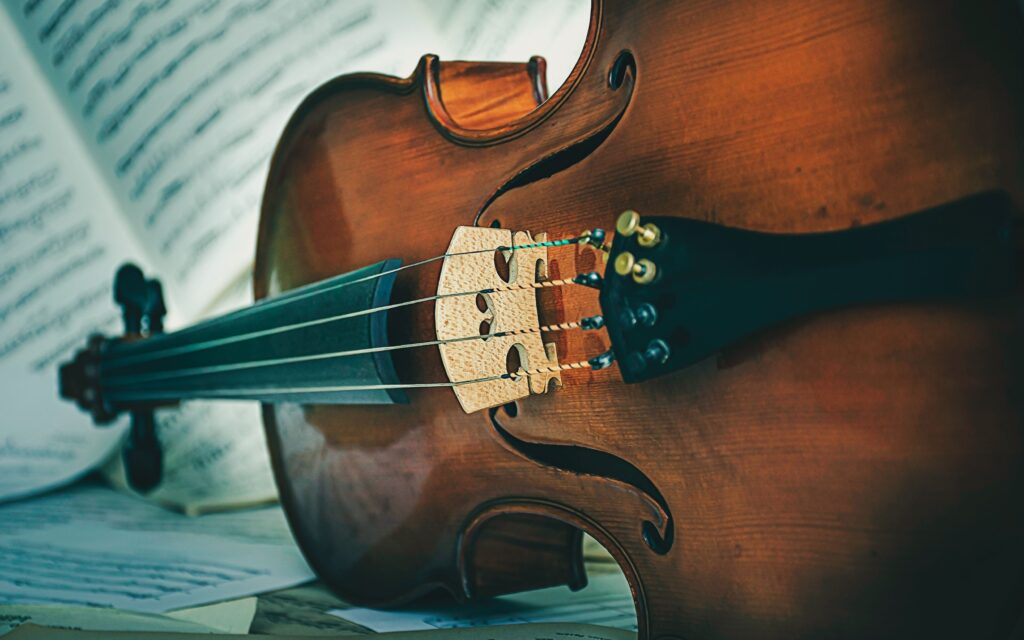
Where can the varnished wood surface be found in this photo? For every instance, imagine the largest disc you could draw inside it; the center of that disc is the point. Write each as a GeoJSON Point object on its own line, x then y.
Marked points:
{"type": "Point", "coordinates": [853, 474]}
{"type": "Point", "coordinates": [480, 95]}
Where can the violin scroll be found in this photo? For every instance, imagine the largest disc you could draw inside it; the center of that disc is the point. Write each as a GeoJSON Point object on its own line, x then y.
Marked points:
{"type": "Point", "coordinates": [141, 300]}
{"type": "Point", "coordinates": [142, 309]}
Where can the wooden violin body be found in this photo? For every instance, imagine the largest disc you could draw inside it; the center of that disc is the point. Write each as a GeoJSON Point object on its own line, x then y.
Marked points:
{"type": "Point", "coordinates": [855, 473]}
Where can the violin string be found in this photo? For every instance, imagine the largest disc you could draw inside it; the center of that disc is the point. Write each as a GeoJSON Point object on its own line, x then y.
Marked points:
{"type": "Point", "coordinates": [294, 295]}
{"type": "Point", "coordinates": [291, 296]}
{"type": "Point", "coordinates": [129, 380]}
{"type": "Point", "coordinates": [117, 362]}
{"type": "Point", "coordinates": [561, 326]}
{"type": "Point", "coordinates": [579, 364]}
{"type": "Point", "coordinates": [140, 396]}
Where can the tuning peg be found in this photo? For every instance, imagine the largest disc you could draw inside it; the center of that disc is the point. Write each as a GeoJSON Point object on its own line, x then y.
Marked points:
{"type": "Point", "coordinates": [131, 293]}
{"type": "Point", "coordinates": [142, 307]}
{"type": "Point", "coordinates": [155, 309]}
{"type": "Point", "coordinates": [142, 454]}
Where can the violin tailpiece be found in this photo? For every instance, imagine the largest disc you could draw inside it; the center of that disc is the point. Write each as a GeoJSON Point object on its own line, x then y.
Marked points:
{"type": "Point", "coordinates": [505, 310]}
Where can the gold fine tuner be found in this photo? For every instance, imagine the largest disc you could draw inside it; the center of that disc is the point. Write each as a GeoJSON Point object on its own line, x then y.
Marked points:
{"type": "Point", "coordinates": [628, 224]}
{"type": "Point", "coordinates": [643, 270]}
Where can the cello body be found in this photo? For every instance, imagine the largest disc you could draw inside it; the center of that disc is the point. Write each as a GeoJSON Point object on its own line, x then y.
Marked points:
{"type": "Point", "coordinates": [854, 473]}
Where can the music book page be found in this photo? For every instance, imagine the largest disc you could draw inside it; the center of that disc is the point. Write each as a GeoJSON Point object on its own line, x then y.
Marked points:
{"type": "Point", "coordinates": [143, 131]}
{"type": "Point", "coordinates": [92, 546]}
{"type": "Point", "coordinates": [233, 616]}
{"type": "Point", "coordinates": [60, 241]}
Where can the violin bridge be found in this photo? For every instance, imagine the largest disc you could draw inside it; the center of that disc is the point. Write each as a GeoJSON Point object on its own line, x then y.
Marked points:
{"type": "Point", "coordinates": [502, 310]}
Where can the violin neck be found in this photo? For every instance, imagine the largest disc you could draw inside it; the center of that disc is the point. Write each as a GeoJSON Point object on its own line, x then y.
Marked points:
{"type": "Point", "coordinates": [318, 344]}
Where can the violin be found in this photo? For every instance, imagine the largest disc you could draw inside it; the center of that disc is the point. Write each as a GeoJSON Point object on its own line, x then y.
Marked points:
{"type": "Point", "coordinates": [741, 300]}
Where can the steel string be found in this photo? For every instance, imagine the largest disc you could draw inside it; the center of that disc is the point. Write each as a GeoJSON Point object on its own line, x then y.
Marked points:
{"type": "Point", "coordinates": [121, 362]}
{"type": "Point", "coordinates": [294, 295]}
{"type": "Point", "coordinates": [114, 382]}
{"type": "Point", "coordinates": [239, 393]}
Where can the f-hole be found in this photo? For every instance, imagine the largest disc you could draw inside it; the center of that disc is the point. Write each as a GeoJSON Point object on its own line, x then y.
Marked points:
{"type": "Point", "coordinates": [593, 462]}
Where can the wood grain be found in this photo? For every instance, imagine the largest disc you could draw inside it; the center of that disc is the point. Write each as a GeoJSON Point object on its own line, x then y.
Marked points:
{"type": "Point", "coordinates": [853, 474]}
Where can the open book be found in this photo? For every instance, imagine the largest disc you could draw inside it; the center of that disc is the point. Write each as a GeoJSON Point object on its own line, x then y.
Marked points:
{"type": "Point", "coordinates": [142, 131]}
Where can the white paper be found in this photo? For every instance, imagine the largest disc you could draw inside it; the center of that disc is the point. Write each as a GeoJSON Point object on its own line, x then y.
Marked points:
{"type": "Point", "coordinates": [606, 601]}
{"type": "Point", "coordinates": [511, 30]}
{"type": "Point", "coordinates": [215, 458]}
{"type": "Point", "coordinates": [215, 454]}
{"type": "Point", "coordinates": [233, 616]}
{"type": "Point", "coordinates": [95, 618]}
{"type": "Point", "coordinates": [60, 242]}
{"type": "Point", "coordinates": [181, 104]}
{"type": "Point", "coordinates": [92, 546]}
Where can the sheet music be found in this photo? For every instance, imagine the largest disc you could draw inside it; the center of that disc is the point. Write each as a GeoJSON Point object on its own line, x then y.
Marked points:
{"type": "Point", "coordinates": [302, 611]}
{"type": "Point", "coordinates": [60, 242]}
{"type": "Point", "coordinates": [129, 64]}
{"type": "Point", "coordinates": [233, 616]}
{"type": "Point", "coordinates": [606, 601]}
{"type": "Point", "coordinates": [84, 547]}
{"type": "Point", "coordinates": [215, 458]}
{"type": "Point", "coordinates": [181, 104]}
